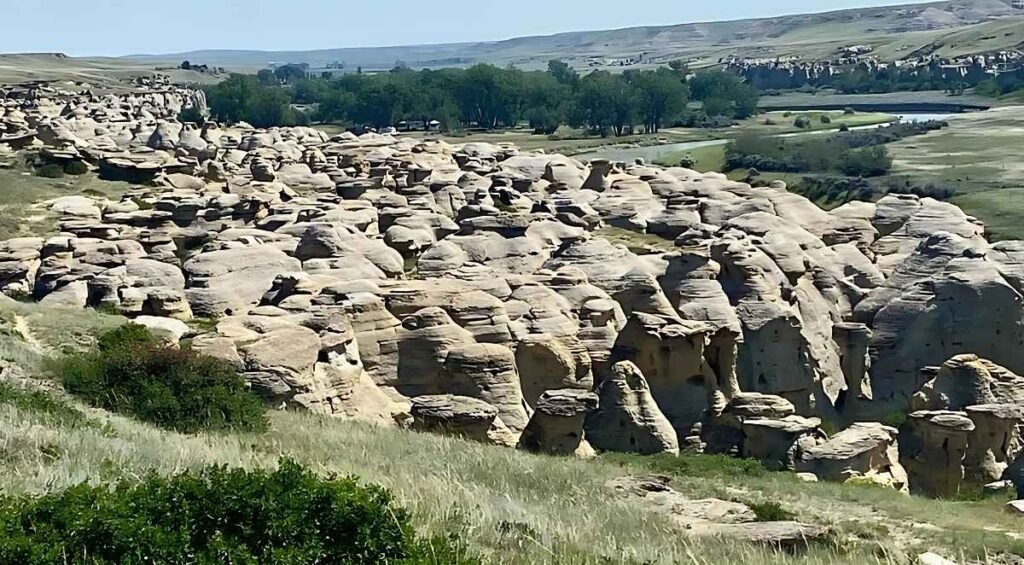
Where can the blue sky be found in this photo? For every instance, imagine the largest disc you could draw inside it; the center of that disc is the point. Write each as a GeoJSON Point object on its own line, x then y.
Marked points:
{"type": "Point", "coordinates": [119, 27]}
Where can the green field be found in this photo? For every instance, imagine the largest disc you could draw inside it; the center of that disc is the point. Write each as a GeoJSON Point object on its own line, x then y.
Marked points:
{"type": "Point", "coordinates": [572, 141]}
{"type": "Point", "coordinates": [979, 155]}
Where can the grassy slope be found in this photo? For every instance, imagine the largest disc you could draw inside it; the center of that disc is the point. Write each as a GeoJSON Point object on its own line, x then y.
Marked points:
{"type": "Point", "coordinates": [19, 190]}
{"type": "Point", "coordinates": [807, 36]}
{"type": "Point", "coordinates": [979, 155]}
{"type": "Point", "coordinates": [509, 506]}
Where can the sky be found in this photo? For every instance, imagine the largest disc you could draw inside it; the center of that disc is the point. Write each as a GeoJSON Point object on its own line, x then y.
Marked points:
{"type": "Point", "coordinates": [122, 27]}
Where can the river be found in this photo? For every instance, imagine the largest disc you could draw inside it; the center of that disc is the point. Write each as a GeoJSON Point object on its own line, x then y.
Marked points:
{"type": "Point", "coordinates": [652, 153]}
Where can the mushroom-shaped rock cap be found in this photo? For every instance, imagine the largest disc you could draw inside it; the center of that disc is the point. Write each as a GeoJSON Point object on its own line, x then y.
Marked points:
{"type": "Point", "coordinates": [951, 421]}
{"type": "Point", "coordinates": [432, 317]}
{"type": "Point", "coordinates": [760, 406]}
{"type": "Point", "coordinates": [567, 402]}
{"type": "Point", "coordinates": [452, 410]}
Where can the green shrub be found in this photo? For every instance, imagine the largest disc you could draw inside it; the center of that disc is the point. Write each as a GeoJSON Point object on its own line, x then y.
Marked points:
{"type": "Point", "coordinates": [871, 161]}
{"type": "Point", "coordinates": [802, 122]}
{"type": "Point", "coordinates": [849, 111]}
{"type": "Point", "coordinates": [826, 119]}
{"type": "Point", "coordinates": [76, 168]}
{"type": "Point", "coordinates": [895, 419]}
{"type": "Point", "coordinates": [288, 516]}
{"type": "Point", "coordinates": [770, 511]}
{"type": "Point", "coordinates": [124, 336]}
{"type": "Point", "coordinates": [173, 388]}
{"type": "Point", "coordinates": [51, 171]}
{"type": "Point", "coordinates": [191, 115]}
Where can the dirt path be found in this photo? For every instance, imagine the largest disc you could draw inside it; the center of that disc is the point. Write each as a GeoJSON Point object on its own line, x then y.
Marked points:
{"type": "Point", "coordinates": [23, 328]}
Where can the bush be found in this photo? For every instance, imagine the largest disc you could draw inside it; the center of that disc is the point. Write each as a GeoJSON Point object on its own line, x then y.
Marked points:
{"type": "Point", "coordinates": [50, 171]}
{"type": "Point", "coordinates": [125, 336]}
{"type": "Point", "coordinates": [871, 161]}
{"type": "Point", "coordinates": [849, 111]}
{"type": "Point", "coordinates": [191, 115]}
{"type": "Point", "coordinates": [217, 516]}
{"type": "Point", "coordinates": [844, 128]}
{"type": "Point", "coordinates": [173, 388]}
{"type": "Point", "coordinates": [802, 122]}
{"type": "Point", "coordinates": [826, 119]}
{"type": "Point", "coordinates": [76, 168]}
{"type": "Point", "coordinates": [769, 511]}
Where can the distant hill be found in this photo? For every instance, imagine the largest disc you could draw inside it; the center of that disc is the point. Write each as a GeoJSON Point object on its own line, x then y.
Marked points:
{"type": "Point", "coordinates": [951, 27]}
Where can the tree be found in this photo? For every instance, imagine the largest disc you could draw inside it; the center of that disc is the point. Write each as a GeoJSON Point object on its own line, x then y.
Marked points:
{"type": "Point", "coordinates": [487, 95]}
{"type": "Point", "coordinates": [607, 103]}
{"type": "Point", "coordinates": [245, 98]}
{"type": "Point", "coordinates": [267, 77]}
{"type": "Point", "coordinates": [291, 73]}
{"type": "Point", "coordinates": [662, 96]}
{"type": "Point", "coordinates": [724, 94]}
{"type": "Point", "coordinates": [546, 101]}
{"type": "Point", "coordinates": [563, 73]}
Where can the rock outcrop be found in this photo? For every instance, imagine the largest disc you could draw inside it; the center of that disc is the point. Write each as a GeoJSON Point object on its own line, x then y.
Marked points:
{"type": "Point", "coordinates": [487, 291]}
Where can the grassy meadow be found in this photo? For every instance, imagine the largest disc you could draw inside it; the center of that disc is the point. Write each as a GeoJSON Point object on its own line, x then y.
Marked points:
{"type": "Point", "coordinates": [979, 155]}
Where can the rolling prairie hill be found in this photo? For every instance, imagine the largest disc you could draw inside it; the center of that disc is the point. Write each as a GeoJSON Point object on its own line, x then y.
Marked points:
{"type": "Point", "coordinates": [952, 27]}
{"type": "Point", "coordinates": [99, 71]}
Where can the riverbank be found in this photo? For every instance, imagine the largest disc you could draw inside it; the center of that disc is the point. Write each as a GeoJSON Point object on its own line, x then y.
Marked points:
{"type": "Point", "coordinates": [892, 102]}
{"type": "Point", "coordinates": [578, 143]}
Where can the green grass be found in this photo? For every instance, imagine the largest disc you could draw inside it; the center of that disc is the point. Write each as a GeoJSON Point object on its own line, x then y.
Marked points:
{"type": "Point", "coordinates": [978, 154]}
{"type": "Point", "coordinates": [705, 159]}
{"type": "Point", "coordinates": [21, 190]}
{"type": "Point", "coordinates": [639, 243]}
{"type": "Point", "coordinates": [47, 408]}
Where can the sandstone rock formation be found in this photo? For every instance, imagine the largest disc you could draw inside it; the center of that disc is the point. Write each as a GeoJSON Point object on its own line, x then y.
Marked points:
{"type": "Point", "coordinates": [484, 290]}
{"type": "Point", "coordinates": [627, 418]}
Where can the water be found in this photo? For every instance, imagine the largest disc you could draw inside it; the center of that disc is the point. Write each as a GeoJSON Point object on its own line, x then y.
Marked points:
{"type": "Point", "coordinates": [654, 153]}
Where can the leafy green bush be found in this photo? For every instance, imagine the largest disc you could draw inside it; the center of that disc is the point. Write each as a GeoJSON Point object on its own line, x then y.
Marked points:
{"type": "Point", "coordinates": [76, 168]}
{"type": "Point", "coordinates": [125, 336]}
{"type": "Point", "coordinates": [770, 511]}
{"type": "Point", "coordinates": [191, 115]}
{"type": "Point", "coordinates": [51, 171]}
{"type": "Point", "coordinates": [802, 122]}
{"type": "Point", "coordinates": [173, 388]}
{"type": "Point", "coordinates": [826, 119]}
{"type": "Point", "coordinates": [866, 162]}
{"type": "Point", "coordinates": [218, 515]}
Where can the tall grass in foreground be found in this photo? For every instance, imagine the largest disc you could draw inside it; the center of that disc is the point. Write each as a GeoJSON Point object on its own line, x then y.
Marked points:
{"type": "Point", "coordinates": [509, 507]}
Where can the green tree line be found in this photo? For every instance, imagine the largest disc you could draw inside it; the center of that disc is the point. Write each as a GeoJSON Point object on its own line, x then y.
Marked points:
{"type": "Point", "coordinates": [489, 97]}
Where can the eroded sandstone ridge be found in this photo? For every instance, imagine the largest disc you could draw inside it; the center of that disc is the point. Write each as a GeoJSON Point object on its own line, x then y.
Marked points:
{"type": "Point", "coordinates": [484, 291]}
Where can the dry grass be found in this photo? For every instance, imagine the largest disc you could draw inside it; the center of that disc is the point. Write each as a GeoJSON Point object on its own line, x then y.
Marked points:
{"type": "Point", "coordinates": [509, 506]}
